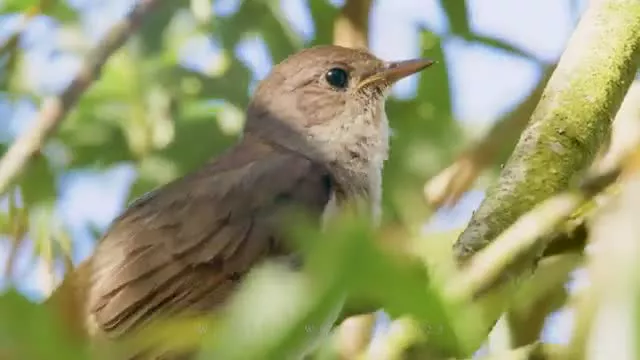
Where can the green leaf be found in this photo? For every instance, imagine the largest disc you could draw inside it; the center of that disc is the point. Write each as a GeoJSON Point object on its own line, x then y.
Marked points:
{"type": "Point", "coordinates": [29, 331]}
{"type": "Point", "coordinates": [232, 86]}
{"type": "Point", "coordinates": [230, 30]}
{"type": "Point", "coordinates": [456, 11]}
{"type": "Point", "coordinates": [152, 29]}
{"type": "Point", "coordinates": [323, 14]}
{"type": "Point", "coordinates": [57, 9]}
{"type": "Point", "coordinates": [38, 182]}
{"type": "Point", "coordinates": [41, 231]}
{"type": "Point", "coordinates": [502, 45]}
{"type": "Point", "coordinates": [426, 137]}
{"type": "Point", "coordinates": [298, 312]}
{"type": "Point", "coordinates": [197, 140]}
{"type": "Point", "coordinates": [348, 255]}
{"type": "Point", "coordinates": [17, 6]}
{"type": "Point", "coordinates": [153, 171]}
{"type": "Point", "coordinates": [5, 227]}
{"type": "Point", "coordinates": [278, 34]}
{"type": "Point", "coordinates": [434, 87]}
{"type": "Point", "coordinates": [94, 144]}
{"type": "Point", "coordinates": [60, 10]}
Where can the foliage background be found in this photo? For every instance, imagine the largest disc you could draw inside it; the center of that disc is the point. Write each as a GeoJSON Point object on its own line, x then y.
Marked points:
{"type": "Point", "coordinates": [174, 94]}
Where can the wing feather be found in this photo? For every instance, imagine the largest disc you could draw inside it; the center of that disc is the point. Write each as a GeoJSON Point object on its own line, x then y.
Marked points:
{"type": "Point", "coordinates": [184, 246]}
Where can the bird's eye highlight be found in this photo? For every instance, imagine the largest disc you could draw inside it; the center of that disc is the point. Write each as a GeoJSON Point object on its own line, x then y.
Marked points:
{"type": "Point", "coordinates": [337, 78]}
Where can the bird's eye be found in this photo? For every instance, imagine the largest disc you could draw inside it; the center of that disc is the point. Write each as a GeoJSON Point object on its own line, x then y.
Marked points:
{"type": "Point", "coordinates": [337, 78]}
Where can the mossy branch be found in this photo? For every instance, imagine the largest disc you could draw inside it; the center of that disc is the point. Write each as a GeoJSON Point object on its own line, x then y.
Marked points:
{"type": "Point", "coordinates": [569, 124]}
{"type": "Point", "coordinates": [566, 130]}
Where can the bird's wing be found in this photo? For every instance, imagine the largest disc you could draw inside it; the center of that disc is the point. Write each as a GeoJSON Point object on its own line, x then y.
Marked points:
{"type": "Point", "coordinates": [183, 247]}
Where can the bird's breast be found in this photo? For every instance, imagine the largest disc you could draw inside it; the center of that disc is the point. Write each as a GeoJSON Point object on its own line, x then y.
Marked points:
{"type": "Point", "coordinates": [361, 191]}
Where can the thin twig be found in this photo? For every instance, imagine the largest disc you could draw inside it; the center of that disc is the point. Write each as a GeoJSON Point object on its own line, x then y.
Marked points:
{"type": "Point", "coordinates": [54, 109]}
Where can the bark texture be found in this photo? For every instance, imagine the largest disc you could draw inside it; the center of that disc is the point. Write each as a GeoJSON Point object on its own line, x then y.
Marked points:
{"type": "Point", "coordinates": [569, 124]}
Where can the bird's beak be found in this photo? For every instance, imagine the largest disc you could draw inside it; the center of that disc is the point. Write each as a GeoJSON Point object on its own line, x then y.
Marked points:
{"type": "Point", "coordinates": [391, 72]}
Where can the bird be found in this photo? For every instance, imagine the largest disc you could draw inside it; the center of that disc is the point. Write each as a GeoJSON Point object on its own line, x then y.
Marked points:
{"type": "Point", "coordinates": [316, 137]}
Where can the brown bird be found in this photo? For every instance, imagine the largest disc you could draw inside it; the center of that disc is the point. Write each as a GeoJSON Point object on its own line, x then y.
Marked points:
{"type": "Point", "coordinates": [316, 137]}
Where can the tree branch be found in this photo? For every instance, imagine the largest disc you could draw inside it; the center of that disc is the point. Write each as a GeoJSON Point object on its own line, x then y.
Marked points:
{"type": "Point", "coordinates": [625, 137]}
{"type": "Point", "coordinates": [571, 121]}
{"type": "Point", "coordinates": [351, 28]}
{"type": "Point", "coordinates": [528, 236]}
{"type": "Point", "coordinates": [54, 109]}
{"type": "Point", "coordinates": [567, 128]}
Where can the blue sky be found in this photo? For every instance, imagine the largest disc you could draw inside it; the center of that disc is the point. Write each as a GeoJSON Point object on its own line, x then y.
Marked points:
{"type": "Point", "coordinates": [485, 82]}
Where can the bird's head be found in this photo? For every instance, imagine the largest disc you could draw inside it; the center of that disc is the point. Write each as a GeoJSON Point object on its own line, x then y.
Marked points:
{"type": "Point", "coordinates": [331, 95]}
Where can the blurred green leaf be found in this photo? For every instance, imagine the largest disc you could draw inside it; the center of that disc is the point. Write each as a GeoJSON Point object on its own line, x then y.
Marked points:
{"type": "Point", "coordinates": [286, 330]}
{"type": "Point", "coordinates": [499, 44]}
{"type": "Point", "coordinates": [277, 33]}
{"type": "Point", "coordinates": [152, 30]}
{"type": "Point", "coordinates": [38, 182]}
{"type": "Point", "coordinates": [41, 231]}
{"type": "Point", "coordinates": [231, 86]}
{"type": "Point", "coordinates": [434, 89]}
{"type": "Point", "coordinates": [425, 135]}
{"type": "Point", "coordinates": [59, 10]}
{"type": "Point", "coordinates": [347, 257]}
{"type": "Point", "coordinates": [197, 139]}
{"type": "Point", "coordinates": [94, 144]}
{"type": "Point", "coordinates": [323, 14]}
{"type": "Point", "coordinates": [5, 228]}
{"type": "Point", "coordinates": [10, 57]}
{"type": "Point", "coordinates": [456, 11]}
{"type": "Point", "coordinates": [17, 6]}
{"type": "Point", "coordinates": [401, 286]}
{"type": "Point", "coordinates": [29, 331]}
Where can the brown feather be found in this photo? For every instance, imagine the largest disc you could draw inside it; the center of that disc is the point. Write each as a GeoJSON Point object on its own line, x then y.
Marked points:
{"type": "Point", "coordinates": [184, 246]}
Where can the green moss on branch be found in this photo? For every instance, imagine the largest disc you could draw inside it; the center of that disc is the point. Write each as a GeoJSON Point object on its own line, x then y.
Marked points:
{"type": "Point", "coordinates": [569, 124]}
